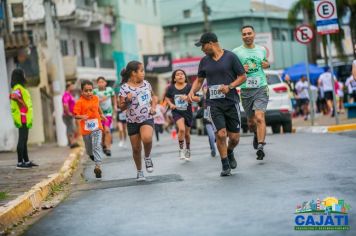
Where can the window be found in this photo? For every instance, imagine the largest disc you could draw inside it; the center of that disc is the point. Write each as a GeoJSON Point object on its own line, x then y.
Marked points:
{"type": "Point", "coordinates": [276, 34]}
{"type": "Point", "coordinates": [64, 47]}
{"type": "Point", "coordinates": [186, 13]}
{"type": "Point", "coordinates": [292, 35]}
{"type": "Point", "coordinates": [284, 34]}
{"type": "Point", "coordinates": [74, 47]}
{"type": "Point", "coordinates": [92, 51]}
{"type": "Point", "coordinates": [17, 10]}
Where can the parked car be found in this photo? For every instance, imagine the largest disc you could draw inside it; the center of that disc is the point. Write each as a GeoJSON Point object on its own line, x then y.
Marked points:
{"type": "Point", "coordinates": [279, 108]}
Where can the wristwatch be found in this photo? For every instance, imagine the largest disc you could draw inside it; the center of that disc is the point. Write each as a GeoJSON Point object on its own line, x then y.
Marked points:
{"type": "Point", "coordinates": [231, 87]}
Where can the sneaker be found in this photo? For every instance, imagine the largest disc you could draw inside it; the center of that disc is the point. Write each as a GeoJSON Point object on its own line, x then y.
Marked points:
{"type": "Point", "coordinates": [232, 160]}
{"type": "Point", "coordinates": [260, 153]}
{"type": "Point", "coordinates": [187, 154]}
{"type": "Point", "coordinates": [255, 141]}
{"type": "Point", "coordinates": [108, 152]}
{"type": "Point", "coordinates": [213, 153]}
{"type": "Point", "coordinates": [140, 176]}
{"type": "Point", "coordinates": [149, 164]}
{"type": "Point", "coordinates": [181, 154]}
{"type": "Point", "coordinates": [32, 164]}
{"type": "Point", "coordinates": [226, 171]}
{"type": "Point", "coordinates": [121, 144]}
{"type": "Point", "coordinates": [97, 172]}
{"type": "Point", "coordinates": [23, 166]}
{"type": "Point", "coordinates": [91, 157]}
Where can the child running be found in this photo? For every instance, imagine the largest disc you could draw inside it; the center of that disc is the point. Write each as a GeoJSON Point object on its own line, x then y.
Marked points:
{"type": "Point", "coordinates": [107, 101]}
{"type": "Point", "coordinates": [177, 99]}
{"type": "Point", "coordinates": [121, 126]}
{"type": "Point", "coordinates": [136, 97]}
{"type": "Point", "coordinates": [159, 119]}
{"type": "Point", "coordinates": [88, 112]}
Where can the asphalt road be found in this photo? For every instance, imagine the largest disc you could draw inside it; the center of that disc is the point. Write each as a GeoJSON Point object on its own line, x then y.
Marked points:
{"type": "Point", "coordinates": [190, 198]}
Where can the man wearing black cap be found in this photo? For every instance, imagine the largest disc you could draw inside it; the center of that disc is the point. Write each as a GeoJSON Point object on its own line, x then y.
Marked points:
{"type": "Point", "coordinates": [223, 72]}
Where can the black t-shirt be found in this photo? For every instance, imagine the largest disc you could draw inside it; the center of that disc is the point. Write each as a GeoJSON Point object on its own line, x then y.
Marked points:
{"type": "Point", "coordinates": [173, 93]}
{"type": "Point", "coordinates": [221, 72]}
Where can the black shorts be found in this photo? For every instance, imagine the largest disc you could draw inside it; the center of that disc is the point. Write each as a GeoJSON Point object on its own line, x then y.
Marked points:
{"type": "Point", "coordinates": [328, 95]}
{"type": "Point", "coordinates": [303, 101]}
{"type": "Point", "coordinates": [134, 128]}
{"type": "Point", "coordinates": [225, 117]}
{"type": "Point", "coordinates": [188, 117]}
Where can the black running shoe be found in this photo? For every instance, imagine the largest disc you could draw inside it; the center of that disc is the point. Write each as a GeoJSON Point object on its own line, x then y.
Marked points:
{"type": "Point", "coordinates": [32, 164]}
{"type": "Point", "coordinates": [255, 141]}
{"type": "Point", "coordinates": [97, 172]}
{"type": "Point", "coordinates": [23, 166]}
{"type": "Point", "coordinates": [260, 153]}
{"type": "Point", "coordinates": [226, 172]}
{"type": "Point", "coordinates": [108, 152]}
{"type": "Point", "coordinates": [91, 157]}
{"type": "Point", "coordinates": [232, 160]}
{"type": "Point", "coordinates": [213, 153]}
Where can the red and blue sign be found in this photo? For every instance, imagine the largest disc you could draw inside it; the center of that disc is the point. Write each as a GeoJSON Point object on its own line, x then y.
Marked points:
{"type": "Point", "coordinates": [326, 16]}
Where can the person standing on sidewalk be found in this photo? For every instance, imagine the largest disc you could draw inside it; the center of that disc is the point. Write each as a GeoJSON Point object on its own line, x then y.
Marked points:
{"type": "Point", "coordinates": [88, 112]}
{"type": "Point", "coordinates": [325, 82]}
{"type": "Point", "coordinates": [223, 72]}
{"type": "Point", "coordinates": [108, 104]}
{"type": "Point", "coordinates": [136, 97]}
{"type": "Point", "coordinates": [22, 114]}
{"type": "Point", "coordinates": [159, 119]}
{"type": "Point", "coordinates": [254, 92]}
{"type": "Point", "coordinates": [177, 99]}
{"type": "Point", "coordinates": [68, 102]}
{"type": "Point", "coordinates": [303, 96]}
{"type": "Point", "coordinates": [121, 126]}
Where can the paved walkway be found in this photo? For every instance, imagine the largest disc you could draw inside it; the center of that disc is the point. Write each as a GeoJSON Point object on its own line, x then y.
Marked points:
{"type": "Point", "coordinates": [322, 120]}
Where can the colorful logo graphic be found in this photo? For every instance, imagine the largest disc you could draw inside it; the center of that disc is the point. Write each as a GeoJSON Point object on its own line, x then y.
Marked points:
{"type": "Point", "coordinates": [328, 214]}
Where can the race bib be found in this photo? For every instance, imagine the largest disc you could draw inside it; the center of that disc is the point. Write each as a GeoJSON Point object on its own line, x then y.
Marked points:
{"type": "Point", "coordinates": [91, 125]}
{"type": "Point", "coordinates": [253, 82]}
{"type": "Point", "coordinates": [215, 93]}
{"type": "Point", "coordinates": [144, 98]}
{"type": "Point", "coordinates": [180, 103]}
{"type": "Point", "coordinates": [122, 116]}
{"type": "Point", "coordinates": [206, 114]}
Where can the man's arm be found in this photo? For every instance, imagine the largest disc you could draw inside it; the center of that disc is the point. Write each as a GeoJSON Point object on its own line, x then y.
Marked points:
{"type": "Point", "coordinates": [197, 84]}
{"type": "Point", "coordinates": [237, 82]}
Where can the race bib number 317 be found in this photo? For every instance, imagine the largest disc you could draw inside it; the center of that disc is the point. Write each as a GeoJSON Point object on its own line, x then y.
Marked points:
{"type": "Point", "coordinates": [144, 98]}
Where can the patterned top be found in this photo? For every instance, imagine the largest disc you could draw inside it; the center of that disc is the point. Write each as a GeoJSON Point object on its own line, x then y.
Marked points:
{"type": "Point", "coordinates": [105, 105]}
{"type": "Point", "coordinates": [138, 110]}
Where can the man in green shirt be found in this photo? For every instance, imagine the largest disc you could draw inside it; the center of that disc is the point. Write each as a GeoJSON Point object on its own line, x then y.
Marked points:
{"type": "Point", "coordinates": [254, 92]}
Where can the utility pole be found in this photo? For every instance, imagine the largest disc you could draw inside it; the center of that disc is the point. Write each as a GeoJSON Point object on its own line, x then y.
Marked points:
{"type": "Point", "coordinates": [58, 81]}
{"type": "Point", "coordinates": [206, 11]}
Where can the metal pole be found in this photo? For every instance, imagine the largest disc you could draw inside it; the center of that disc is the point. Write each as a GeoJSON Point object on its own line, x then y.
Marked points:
{"type": "Point", "coordinates": [332, 78]}
{"type": "Point", "coordinates": [312, 113]}
{"type": "Point", "coordinates": [58, 82]}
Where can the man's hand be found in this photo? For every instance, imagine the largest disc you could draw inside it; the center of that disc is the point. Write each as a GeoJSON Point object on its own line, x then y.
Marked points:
{"type": "Point", "coordinates": [265, 64]}
{"type": "Point", "coordinates": [246, 68]}
{"type": "Point", "coordinates": [190, 97]}
{"type": "Point", "coordinates": [128, 97]}
{"type": "Point", "coordinates": [224, 89]}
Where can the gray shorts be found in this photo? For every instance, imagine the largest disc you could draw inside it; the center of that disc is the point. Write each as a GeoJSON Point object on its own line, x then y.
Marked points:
{"type": "Point", "coordinates": [69, 122]}
{"type": "Point", "coordinates": [254, 99]}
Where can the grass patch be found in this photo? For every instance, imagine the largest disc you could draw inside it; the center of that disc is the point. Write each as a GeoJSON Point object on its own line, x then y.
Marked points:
{"type": "Point", "coordinates": [3, 196]}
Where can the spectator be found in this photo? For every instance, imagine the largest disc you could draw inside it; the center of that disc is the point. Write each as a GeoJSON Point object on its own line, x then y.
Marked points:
{"type": "Point", "coordinates": [325, 82]}
{"type": "Point", "coordinates": [303, 96]}
{"type": "Point", "coordinates": [68, 102]}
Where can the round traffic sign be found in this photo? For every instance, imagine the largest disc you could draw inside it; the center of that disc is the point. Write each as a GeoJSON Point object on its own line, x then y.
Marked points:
{"type": "Point", "coordinates": [325, 9]}
{"type": "Point", "coordinates": [304, 34]}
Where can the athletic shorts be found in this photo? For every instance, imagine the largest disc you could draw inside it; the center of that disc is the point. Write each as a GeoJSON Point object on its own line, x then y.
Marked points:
{"type": "Point", "coordinates": [134, 128]}
{"type": "Point", "coordinates": [121, 117]}
{"type": "Point", "coordinates": [227, 116]}
{"type": "Point", "coordinates": [108, 122]}
{"type": "Point", "coordinates": [254, 99]}
{"type": "Point", "coordinates": [69, 122]}
{"type": "Point", "coordinates": [328, 95]}
{"type": "Point", "coordinates": [303, 101]}
{"type": "Point", "coordinates": [188, 117]}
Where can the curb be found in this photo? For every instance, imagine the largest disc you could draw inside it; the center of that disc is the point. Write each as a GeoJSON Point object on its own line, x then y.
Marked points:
{"type": "Point", "coordinates": [325, 129]}
{"type": "Point", "coordinates": [25, 204]}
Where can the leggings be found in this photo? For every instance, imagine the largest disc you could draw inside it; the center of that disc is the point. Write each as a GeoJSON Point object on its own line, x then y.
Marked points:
{"type": "Point", "coordinates": [22, 154]}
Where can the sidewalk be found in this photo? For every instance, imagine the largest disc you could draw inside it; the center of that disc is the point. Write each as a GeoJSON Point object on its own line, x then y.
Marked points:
{"type": "Point", "coordinates": [324, 124]}
{"type": "Point", "coordinates": [21, 191]}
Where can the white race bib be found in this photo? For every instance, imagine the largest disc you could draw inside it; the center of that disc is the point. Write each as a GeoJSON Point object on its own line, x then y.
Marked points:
{"type": "Point", "coordinates": [180, 103]}
{"type": "Point", "coordinates": [215, 93]}
{"type": "Point", "coordinates": [253, 82]}
{"type": "Point", "coordinates": [144, 98]}
{"type": "Point", "coordinates": [206, 114]}
{"type": "Point", "coordinates": [91, 125]}
{"type": "Point", "coordinates": [122, 116]}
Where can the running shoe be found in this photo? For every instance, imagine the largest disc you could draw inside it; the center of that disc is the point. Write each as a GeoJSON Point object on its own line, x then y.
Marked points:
{"type": "Point", "coordinates": [255, 141]}
{"type": "Point", "coordinates": [108, 152]}
{"type": "Point", "coordinates": [121, 144]}
{"type": "Point", "coordinates": [23, 166]}
{"type": "Point", "coordinates": [140, 176]}
{"type": "Point", "coordinates": [213, 153]}
{"type": "Point", "coordinates": [97, 172]}
{"type": "Point", "coordinates": [32, 164]}
{"type": "Point", "coordinates": [226, 171]}
{"type": "Point", "coordinates": [260, 153]}
{"type": "Point", "coordinates": [232, 160]}
{"type": "Point", "coordinates": [181, 154]}
{"type": "Point", "coordinates": [187, 154]}
{"type": "Point", "coordinates": [149, 164]}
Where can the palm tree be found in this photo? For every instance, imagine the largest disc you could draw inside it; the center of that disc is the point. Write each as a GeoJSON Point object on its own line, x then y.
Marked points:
{"type": "Point", "coordinates": [307, 8]}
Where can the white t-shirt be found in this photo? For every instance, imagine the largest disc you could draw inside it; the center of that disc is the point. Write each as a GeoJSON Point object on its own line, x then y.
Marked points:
{"type": "Point", "coordinates": [325, 79]}
{"type": "Point", "coordinates": [351, 84]}
{"type": "Point", "coordinates": [302, 89]}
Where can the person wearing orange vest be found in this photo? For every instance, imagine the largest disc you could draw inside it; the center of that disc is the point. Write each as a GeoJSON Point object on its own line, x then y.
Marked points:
{"type": "Point", "coordinates": [21, 110]}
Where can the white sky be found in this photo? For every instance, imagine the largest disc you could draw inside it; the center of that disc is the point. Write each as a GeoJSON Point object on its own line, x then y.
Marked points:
{"type": "Point", "coordinates": [283, 3]}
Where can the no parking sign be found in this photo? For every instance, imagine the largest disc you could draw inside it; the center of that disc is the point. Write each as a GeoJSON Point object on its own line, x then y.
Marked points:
{"type": "Point", "coordinates": [326, 16]}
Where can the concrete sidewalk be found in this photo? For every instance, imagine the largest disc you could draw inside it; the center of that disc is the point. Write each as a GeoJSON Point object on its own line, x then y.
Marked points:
{"type": "Point", "coordinates": [22, 191]}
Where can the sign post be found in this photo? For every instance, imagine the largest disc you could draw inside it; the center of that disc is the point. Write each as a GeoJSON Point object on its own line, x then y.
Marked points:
{"type": "Point", "coordinates": [304, 34]}
{"type": "Point", "coordinates": [327, 23]}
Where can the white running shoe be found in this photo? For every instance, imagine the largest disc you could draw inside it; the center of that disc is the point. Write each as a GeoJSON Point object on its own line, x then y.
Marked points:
{"type": "Point", "coordinates": [149, 164]}
{"type": "Point", "coordinates": [187, 154]}
{"type": "Point", "coordinates": [140, 176]}
{"type": "Point", "coordinates": [121, 144]}
{"type": "Point", "coordinates": [181, 154]}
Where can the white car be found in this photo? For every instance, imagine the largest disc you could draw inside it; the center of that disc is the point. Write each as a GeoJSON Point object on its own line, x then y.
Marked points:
{"type": "Point", "coordinates": [279, 108]}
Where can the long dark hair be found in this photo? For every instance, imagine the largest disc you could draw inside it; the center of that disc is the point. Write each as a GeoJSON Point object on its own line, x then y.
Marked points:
{"type": "Point", "coordinates": [130, 67]}
{"type": "Point", "coordinates": [17, 77]}
{"type": "Point", "coordinates": [174, 76]}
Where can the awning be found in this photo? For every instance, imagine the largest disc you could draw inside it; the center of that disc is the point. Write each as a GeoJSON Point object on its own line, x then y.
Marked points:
{"type": "Point", "coordinates": [16, 40]}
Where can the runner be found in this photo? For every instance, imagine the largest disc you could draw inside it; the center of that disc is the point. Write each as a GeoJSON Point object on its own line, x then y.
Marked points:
{"type": "Point", "coordinates": [159, 119]}
{"type": "Point", "coordinates": [351, 87]}
{"type": "Point", "coordinates": [254, 92]}
{"type": "Point", "coordinates": [107, 100]}
{"type": "Point", "coordinates": [177, 99]}
{"type": "Point", "coordinates": [136, 97]}
{"type": "Point", "coordinates": [121, 126]}
{"type": "Point", "coordinates": [68, 102]}
{"type": "Point", "coordinates": [207, 123]}
{"type": "Point", "coordinates": [325, 82]}
{"type": "Point", "coordinates": [88, 112]}
{"type": "Point", "coordinates": [223, 72]}
{"type": "Point", "coordinates": [303, 96]}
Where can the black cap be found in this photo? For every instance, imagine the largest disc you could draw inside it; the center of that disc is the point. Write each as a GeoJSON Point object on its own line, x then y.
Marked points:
{"type": "Point", "coordinates": [207, 38]}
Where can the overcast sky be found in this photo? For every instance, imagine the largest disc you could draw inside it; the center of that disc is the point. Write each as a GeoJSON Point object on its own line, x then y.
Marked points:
{"type": "Point", "coordinates": [283, 3]}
